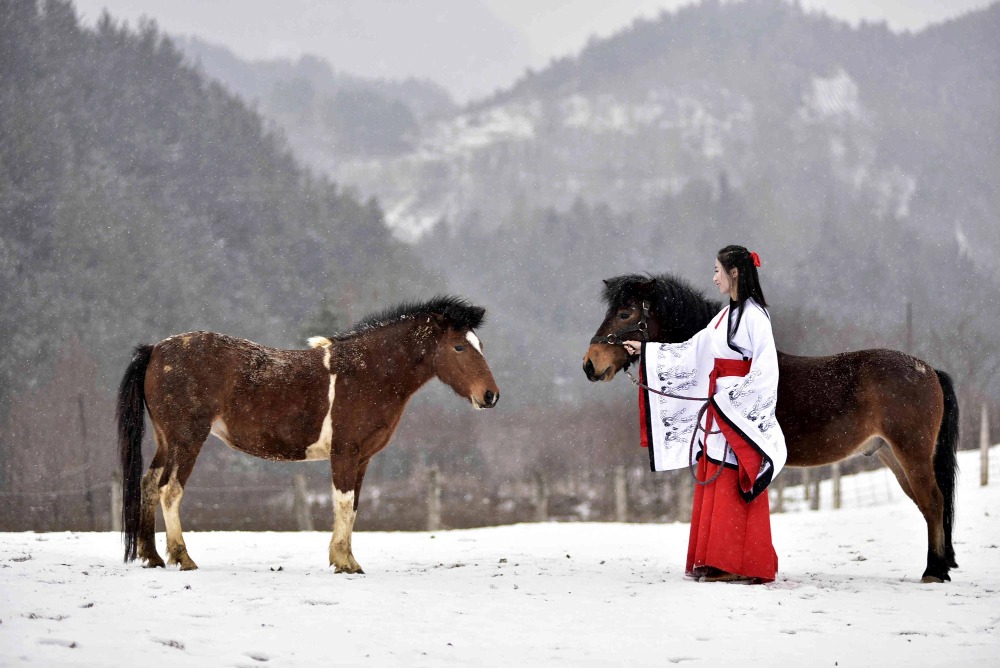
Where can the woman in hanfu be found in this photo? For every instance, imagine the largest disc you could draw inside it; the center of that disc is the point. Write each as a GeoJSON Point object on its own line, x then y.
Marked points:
{"type": "Point", "coordinates": [738, 447]}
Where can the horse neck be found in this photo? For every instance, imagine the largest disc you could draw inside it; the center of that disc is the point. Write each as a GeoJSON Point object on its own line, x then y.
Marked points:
{"type": "Point", "coordinates": [690, 313]}
{"type": "Point", "coordinates": [396, 356]}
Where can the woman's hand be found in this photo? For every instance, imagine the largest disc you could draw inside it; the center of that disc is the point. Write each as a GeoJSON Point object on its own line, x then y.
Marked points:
{"type": "Point", "coordinates": [632, 347]}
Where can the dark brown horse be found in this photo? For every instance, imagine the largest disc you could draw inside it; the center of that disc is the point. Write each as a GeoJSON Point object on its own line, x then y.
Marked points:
{"type": "Point", "coordinates": [340, 401]}
{"type": "Point", "coordinates": [829, 408]}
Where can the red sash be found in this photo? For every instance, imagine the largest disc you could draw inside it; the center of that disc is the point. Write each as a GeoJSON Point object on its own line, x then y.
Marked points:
{"type": "Point", "coordinates": [747, 456]}
{"type": "Point", "coordinates": [723, 367]}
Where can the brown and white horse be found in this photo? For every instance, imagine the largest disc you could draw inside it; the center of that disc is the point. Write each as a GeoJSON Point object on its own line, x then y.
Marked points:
{"type": "Point", "coordinates": [339, 401]}
{"type": "Point", "coordinates": [829, 408]}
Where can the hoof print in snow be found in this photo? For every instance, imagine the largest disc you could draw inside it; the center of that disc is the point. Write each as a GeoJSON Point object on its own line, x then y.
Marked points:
{"type": "Point", "coordinates": [176, 644]}
{"type": "Point", "coordinates": [278, 569]}
{"type": "Point", "coordinates": [70, 644]}
{"type": "Point", "coordinates": [258, 656]}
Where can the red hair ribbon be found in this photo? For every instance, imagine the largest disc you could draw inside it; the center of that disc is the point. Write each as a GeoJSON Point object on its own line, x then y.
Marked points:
{"type": "Point", "coordinates": [755, 258]}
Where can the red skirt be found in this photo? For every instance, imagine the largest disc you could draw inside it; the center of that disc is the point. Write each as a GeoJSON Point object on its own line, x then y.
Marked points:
{"type": "Point", "coordinates": [727, 532]}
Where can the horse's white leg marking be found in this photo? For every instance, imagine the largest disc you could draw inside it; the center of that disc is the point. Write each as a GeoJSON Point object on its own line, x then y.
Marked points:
{"type": "Point", "coordinates": [321, 448]}
{"type": "Point", "coordinates": [474, 340]}
{"type": "Point", "coordinates": [170, 500]}
{"type": "Point", "coordinates": [343, 524]}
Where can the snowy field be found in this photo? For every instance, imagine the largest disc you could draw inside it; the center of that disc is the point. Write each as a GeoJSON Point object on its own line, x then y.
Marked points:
{"type": "Point", "coordinates": [847, 594]}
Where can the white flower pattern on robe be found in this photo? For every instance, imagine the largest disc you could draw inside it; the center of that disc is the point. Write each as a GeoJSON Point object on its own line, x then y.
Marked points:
{"type": "Point", "coordinates": [676, 378]}
{"type": "Point", "coordinates": [676, 425]}
{"type": "Point", "coordinates": [761, 413]}
{"type": "Point", "coordinates": [745, 388]}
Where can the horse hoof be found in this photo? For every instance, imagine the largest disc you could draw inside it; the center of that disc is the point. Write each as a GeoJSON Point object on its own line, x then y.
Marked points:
{"type": "Point", "coordinates": [349, 570]}
{"type": "Point", "coordinates": [185, 562]}
{"type": "Point", "coordinates": [154, 563]}
{"type": "Point", "coordinates": [931, 579]}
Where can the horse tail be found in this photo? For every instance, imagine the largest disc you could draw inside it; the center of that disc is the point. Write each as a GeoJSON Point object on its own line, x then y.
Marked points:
{"type": "Point", "coordinates": [131, 426]}
{"type": "Point", "coordinates": [945, 462]}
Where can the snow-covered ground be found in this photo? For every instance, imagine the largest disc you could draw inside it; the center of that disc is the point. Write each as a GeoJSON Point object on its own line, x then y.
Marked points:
{"type": "Point", "coordinates": [848, 594]}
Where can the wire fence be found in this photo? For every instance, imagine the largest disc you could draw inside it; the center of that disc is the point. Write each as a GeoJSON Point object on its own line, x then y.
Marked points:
{"type": "Point", "coordinates": [433, 501]}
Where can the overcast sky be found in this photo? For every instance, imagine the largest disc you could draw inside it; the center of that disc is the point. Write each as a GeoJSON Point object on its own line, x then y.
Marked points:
{"type": "Point", "coordinates": [472, 47]}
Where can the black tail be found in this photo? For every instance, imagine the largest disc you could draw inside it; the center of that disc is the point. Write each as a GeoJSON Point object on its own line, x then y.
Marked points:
{"type": "Point", "coordinates": [945, 463]}
{"type": "Point", "coordinates": [131, 425]}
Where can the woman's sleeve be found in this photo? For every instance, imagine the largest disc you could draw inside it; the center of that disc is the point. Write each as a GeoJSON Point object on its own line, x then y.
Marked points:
{"type": "Point", "coordinates": [765, 354]}
{"type": "Point", "coordinates": [748, 407]}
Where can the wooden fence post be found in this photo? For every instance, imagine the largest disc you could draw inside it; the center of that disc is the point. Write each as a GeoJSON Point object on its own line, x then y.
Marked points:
{"type": "Point", "coordinates": [300, 503]}
{"type": "Point", "coordinates": [541, 498]}
{"type": "Point", "coordinates": [433, 501]}
{"type": "Point", "coordinates": [621, 494]}
{"type": "Point", "coordinates": [984, 447]}
{"type": "Point", "coordinates": [116, 503]}
{"type": "Point", "coordinates": [835, 479]}
{"type": "Point", "coordinates": [779, 501]}
{"type": "Point", "coordinates": [684, 497]}
{"type": "Point", "coordinates": [814, 494]}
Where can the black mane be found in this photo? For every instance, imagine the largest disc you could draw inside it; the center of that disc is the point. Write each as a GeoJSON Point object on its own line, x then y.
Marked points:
{"type": "Point", "coordinates": [681, 310]}
{"type": "Point", "coordinates": [457, 313]}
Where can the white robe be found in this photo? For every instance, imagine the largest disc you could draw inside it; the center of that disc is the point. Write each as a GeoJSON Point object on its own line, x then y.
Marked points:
{"type": "Point", "coordinates": [746, 403]}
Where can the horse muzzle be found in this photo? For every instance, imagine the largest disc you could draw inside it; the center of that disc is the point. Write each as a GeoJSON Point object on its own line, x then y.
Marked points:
{"type": "Point", "coordinates": [593, 376]}
{"type": "Point", "coordinates": [488, 400]}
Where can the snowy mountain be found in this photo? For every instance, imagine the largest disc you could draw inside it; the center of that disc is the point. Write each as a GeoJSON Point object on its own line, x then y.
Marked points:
{"type": "Point", "coordinates": [782, 103]}
{"type": "Point", "coordinates": [857, 160]}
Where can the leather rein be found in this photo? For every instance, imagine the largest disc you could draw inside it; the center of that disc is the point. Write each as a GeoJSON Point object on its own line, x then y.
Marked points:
{"type": "Point", "coordinates": [618, 339]}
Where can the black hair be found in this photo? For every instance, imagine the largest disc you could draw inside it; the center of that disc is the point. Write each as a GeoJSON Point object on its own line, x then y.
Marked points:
{"type": "Point", "coordinates": [681, 309]}
{"type": "Point", "coordinates": [747, 283]}
{"type": "Point", "coordinates": [457, 313]}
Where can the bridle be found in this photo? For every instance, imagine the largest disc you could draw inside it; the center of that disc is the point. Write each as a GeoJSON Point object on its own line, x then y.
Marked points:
{"type": "Point", "coordinates": [618, 339]}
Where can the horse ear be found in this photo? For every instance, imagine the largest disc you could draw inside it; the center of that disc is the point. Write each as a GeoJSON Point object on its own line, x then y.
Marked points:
{"type": "Point", "coordinates": [607, 282]}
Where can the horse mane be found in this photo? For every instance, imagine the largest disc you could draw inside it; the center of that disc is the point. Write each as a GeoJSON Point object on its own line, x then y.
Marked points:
{"type": "Point", "coordinates": [682, 310]}
{"type": "Point", "coordinates": [457, 314]}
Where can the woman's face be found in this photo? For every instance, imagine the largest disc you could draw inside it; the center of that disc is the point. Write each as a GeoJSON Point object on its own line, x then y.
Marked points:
{"type": "Point", "coordinates": [722, 280]}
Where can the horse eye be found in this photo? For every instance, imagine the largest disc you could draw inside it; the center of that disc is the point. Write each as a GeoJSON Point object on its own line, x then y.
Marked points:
{"type": "Point", "coordinates": [459, 348]}
{"type": "Point", "coordinates": [624, 315]}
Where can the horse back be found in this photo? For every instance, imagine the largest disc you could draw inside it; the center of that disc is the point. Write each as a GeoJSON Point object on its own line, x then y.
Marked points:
{"type": "Point", "coordinates": [829, 406]}
{"type": "Point", "coordinates": [265, 401]}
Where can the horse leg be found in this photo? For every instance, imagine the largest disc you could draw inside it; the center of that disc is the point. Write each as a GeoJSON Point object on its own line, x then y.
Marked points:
{"type": "Point", "coordinates": [178, 470]}
{"type": "Point", "coordinates": [889, 460]}
{"type": "Point", "coordinates": [347, 476]}
{"type": "Point", "coordinates": [150, 497]}
{"type": "Point", "coordinates": [916, 464]}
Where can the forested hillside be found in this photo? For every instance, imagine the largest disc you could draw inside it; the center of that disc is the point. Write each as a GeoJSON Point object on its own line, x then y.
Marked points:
{"type": "Point", "coordinates": [138, 199]}
{"type": "Point", "coordinates": [857, 161]}
{"type": "Point", "coordinates": [327, 115]}
{"type": "Point", "coordinates": [793, 109]}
